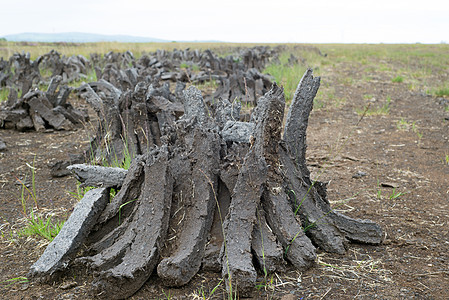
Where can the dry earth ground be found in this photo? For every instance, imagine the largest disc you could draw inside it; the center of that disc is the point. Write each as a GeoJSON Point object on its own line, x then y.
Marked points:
{"type": "Point", "coordinates": [405, 146]}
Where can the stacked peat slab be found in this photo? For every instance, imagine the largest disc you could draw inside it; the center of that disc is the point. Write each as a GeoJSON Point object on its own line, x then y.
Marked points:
{"type": "Point", "coordinates": [209, 191]}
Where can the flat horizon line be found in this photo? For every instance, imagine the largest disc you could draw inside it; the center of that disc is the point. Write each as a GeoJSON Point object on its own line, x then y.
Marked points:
{"type": "Point", "coordinates": [125, 38]}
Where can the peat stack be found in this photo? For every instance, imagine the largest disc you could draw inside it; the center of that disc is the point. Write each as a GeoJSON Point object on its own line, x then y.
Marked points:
{"type": "Point", "coordinates": [130, 122]}
{"type": "Point", "coordinates": [235, 77]}
{"type": "Point", "coordinates": [5, 73]}
{"type": "Point", "coordinates": [134, 101]}
{"type": "Point", "coordinates": [40, 111]}
{"type": "Point", "coordinates": [215, 192]}
{"type": "Point", "coordinates": [70, 68]}
{"type": "Point", "coordinates": [27, 107]}
{"type": "Point", "coordinates": [26, 71]}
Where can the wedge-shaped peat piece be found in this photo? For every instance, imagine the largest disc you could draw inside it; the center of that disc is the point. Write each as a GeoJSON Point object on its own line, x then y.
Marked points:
{"type": "Point", "coordinates": [124, 267]}
{"type": "Point", "coordinates": [195, 184]}
{"type": "Point", "coordinates": [298, 119]}
{"type": "Point", "coordinates": [236, 259]}
{"type": "Point", "coordinates": [62, 249]}
{"type": "Point", "coordinates": [256, 170]}
{"type": "Point", "coordinates": [237, 131]}
{"type": "Point", "coordinates": [297, 247]}
{"type": "Point", "coordinates": [307, 203]}
{"type": "Point", "coordinates": [323, 231]}
{"type": "Point", "coordinates": [130, 190]}
{"type": "Point", "coordinates": [326, 228]}
{"type": "Point", "coordinates": [267, 250]}
{"type": "Point", "coordinates": [357, 230]}
{"type": "Point", "coordinates": [98, 176]}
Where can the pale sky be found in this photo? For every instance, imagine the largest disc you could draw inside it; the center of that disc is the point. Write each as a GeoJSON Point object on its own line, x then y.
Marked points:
{"type": "Point", "coordinates": [312, 21]}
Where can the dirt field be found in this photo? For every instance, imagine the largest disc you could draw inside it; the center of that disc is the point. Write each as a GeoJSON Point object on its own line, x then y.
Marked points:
{"type": "Point", "coordinates": [391, 166]}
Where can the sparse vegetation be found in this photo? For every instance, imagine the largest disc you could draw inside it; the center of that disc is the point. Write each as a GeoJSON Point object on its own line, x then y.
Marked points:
{"type": "Point", "coordinates": [91, 76]}
{"type": "Point", "coordinates": [80, 191]}
{"type": "Point", "coordinates": [267, 284]}
{"type": "Point", "coordinates": [210, 85]}
{"type": "Point", "coordinates": [26, 193]}
{"type": "Point", "coordinates": [85, 49]}
{"type": "Point", "coordinates": [368, 96]}
{"type": "Point", "coordinates": [415, 130]}
{"type": "Point", "coordinates": [36, 224]}
{"type": "Point", "coordinates": [16, 280]}
{"type": "Point", "coordinates": [327, 99]}
{"type": "Point", "coordinates": [441, 92]}
{"type": "Point", "coordinates": [397, 79]}
{"type": "Point", "coordinates": [115, 162]}
{"type": "Point", "coordinates": [286, 75]}
{"type": "Point", "coordinates": [193, 67]}
{"type": "Point", "coordinates": [120, 209]}
{"type": "Point", "coordinates": [376, 111]}
{"type": "Point", "coordinates": [395, 195]}
{"type": "Point", "coordinates": [168, 295]}
{"type": "Point", "coordinates": [202, 294]}
{"type": "Point", "coordinates": [4, 93]}
{"type": "Point", "coordinates": [402, 124]}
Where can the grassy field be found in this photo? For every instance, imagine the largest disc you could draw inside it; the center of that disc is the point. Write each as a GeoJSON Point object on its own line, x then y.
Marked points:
{"type": "Point", "coordinates": [36, 49]}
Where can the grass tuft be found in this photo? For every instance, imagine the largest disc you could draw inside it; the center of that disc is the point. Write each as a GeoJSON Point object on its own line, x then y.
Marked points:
{"type": "Point", "coordinates": [397, 79]}
{"type": "Point", "coordinates": [167, 296]}
{"type": "Point", "coordinates": [12, 281]}
{"type": "Point", "coordinates": [80, 191]}
{"type": "Point", "coordinates": [395, 195]}
{"type": "Point", "coordinates": [40, 226]}
{"type": "Point", "coordinates": [120, 209]}
{"type": "Point", "coordinates": [31, 193]}
{"type": "Point", "coordinates": [210, 85]}
{"type": "Point", "coordinates": [202, 294]}
{"type": "Point", "coordinates": [402, 124]}
{"type": "Point", "coordinates": [36, 224]}
{"type": "Point", "coordinates": [441, 92]}
{"type": "Point", "coordinates": [91, 76]}
{"type": "Point", "coordinates": [4, 93]}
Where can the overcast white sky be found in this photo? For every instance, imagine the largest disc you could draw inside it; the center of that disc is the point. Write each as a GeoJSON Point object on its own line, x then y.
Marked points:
{"type": "Point", "coordinates": [312, 21]}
